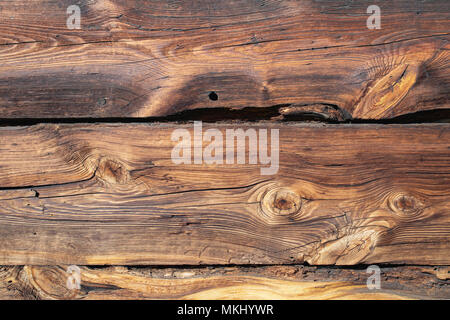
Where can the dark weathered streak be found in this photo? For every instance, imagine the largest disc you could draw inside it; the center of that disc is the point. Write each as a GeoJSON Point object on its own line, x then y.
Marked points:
{"type": "Point", "coordinates": [136, 58]}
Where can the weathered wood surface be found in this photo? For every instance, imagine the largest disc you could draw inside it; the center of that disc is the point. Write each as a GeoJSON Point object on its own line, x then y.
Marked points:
{"type": "Point", "coordinates": [275, 282]}
{"type": "Point", "coordinates": [110, 194]}
{"type": "Point", "coordinates": [135, 58]}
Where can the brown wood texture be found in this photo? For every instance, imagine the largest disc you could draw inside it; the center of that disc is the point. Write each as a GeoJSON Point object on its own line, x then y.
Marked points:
{"type": "Point", "coordinates": [274, 282]}
{"type": "Point", "coordinates": [155, 58]}
{"type": "Point", "coordinates": [110, 194]}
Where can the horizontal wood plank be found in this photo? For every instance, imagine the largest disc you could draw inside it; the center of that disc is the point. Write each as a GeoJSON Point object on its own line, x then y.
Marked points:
{"type": "Point", "coordinates": [275, 282]}
{"type": "Point", "coordinates": [136, 58]}
{"type": "Point", "coordinates": [111, 194]}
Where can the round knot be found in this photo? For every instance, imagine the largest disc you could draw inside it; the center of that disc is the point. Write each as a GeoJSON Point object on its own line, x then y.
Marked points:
{"type": "Point", "coordinates": [405, 205]}
{"type": "Point", "coordinates": [281, 202]}
{"type": "Point", "coordinates": [112, 171]}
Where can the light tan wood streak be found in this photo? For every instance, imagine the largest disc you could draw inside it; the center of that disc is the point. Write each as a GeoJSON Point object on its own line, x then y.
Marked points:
{"type": "Point", "coordinates": [277, 282]}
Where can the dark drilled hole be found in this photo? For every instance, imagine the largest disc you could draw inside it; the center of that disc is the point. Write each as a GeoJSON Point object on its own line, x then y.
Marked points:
{"type": "Point", "coordinates": [213, 96]}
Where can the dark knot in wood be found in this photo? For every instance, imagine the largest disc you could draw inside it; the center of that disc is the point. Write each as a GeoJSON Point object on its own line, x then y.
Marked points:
{"type": "Point", "coordinates": [406, 205]}
{"type": "Point", "coordinates": [280, 202]}
{"type": "Point", "coordinates": [112, 171]}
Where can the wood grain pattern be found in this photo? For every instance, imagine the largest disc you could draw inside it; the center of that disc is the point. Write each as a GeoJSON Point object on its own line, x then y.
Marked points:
{"type": "Point", "coordinates": [138, 58]}
{"type": "Point", "coordinates": [275, 282]}
{"type": "Point", "coordinates": [110, 194]}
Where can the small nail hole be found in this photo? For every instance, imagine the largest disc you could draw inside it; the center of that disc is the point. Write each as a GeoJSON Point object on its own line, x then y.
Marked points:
{"type": "Point", "coordinates": [213, 96]}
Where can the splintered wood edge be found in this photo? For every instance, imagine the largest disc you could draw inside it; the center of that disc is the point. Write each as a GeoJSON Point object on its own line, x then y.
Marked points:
{"type": "Point", "coordinates": [270, 282]}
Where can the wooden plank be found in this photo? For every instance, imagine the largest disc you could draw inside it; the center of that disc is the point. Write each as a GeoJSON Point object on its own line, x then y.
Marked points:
{"type": "Point", "coordinates": [111, 194]}
{"type": "Point", "coordinates": [275, 282]}
{"type": "Point", "coordinates": [155, 58]}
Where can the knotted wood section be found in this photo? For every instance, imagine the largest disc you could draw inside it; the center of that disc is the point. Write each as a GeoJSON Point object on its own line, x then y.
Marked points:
{"type": "Point", "coordinates": [111, 194]}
